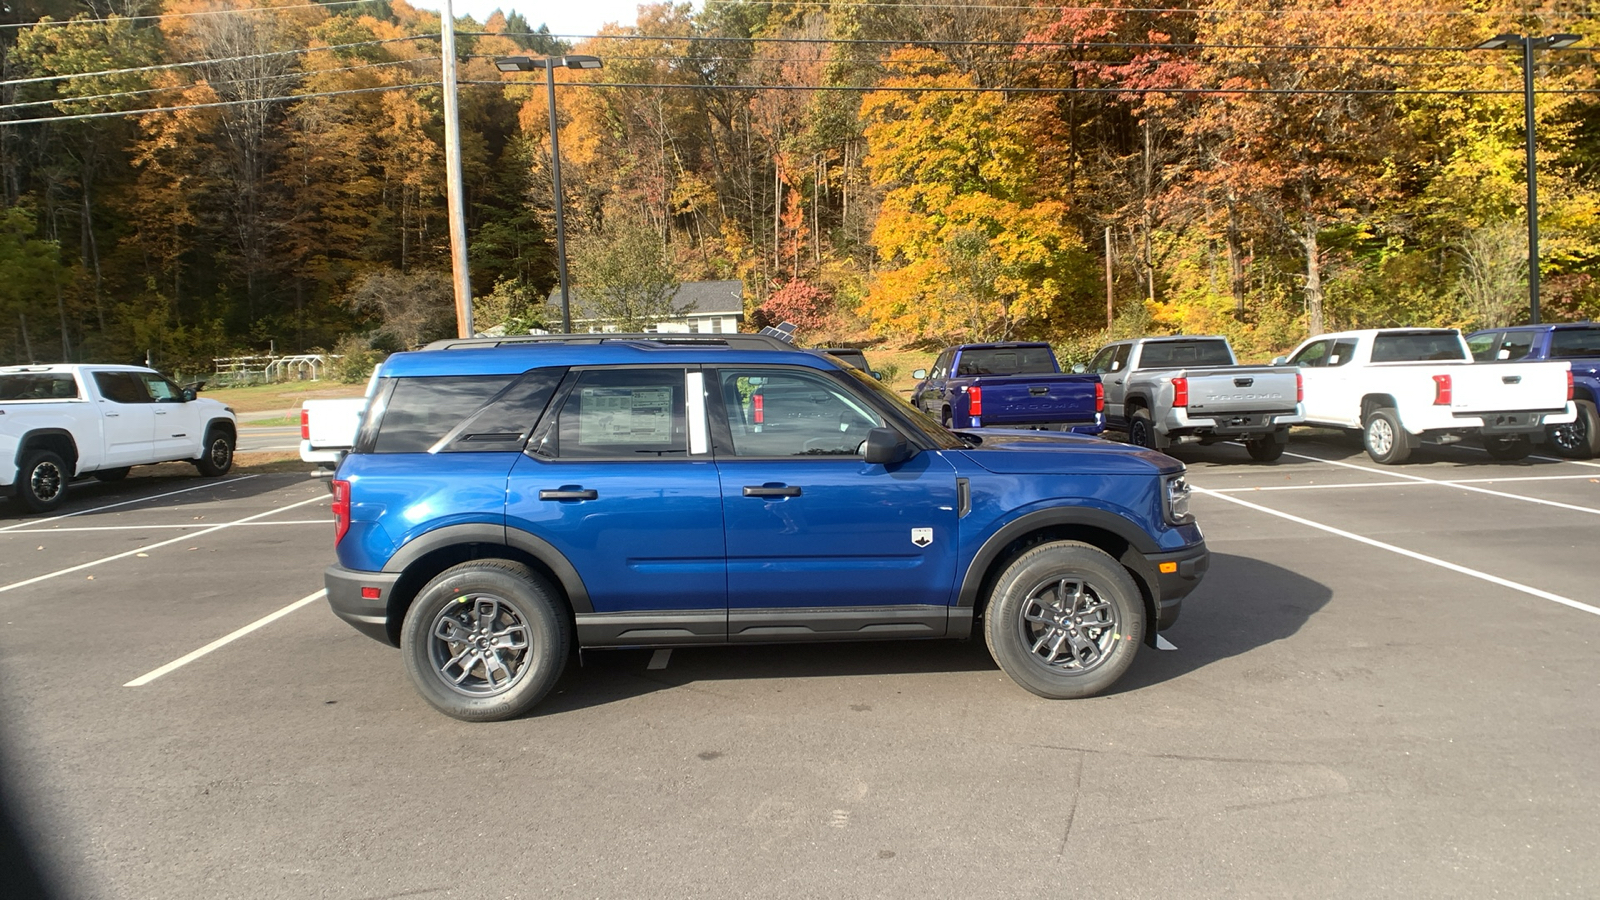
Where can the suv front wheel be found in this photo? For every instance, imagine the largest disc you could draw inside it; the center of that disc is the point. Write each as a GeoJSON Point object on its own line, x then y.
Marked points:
{"type": "Point", "coordinates": [485, 640]}
{"type": "Point", "coordinates": [1064, 620]}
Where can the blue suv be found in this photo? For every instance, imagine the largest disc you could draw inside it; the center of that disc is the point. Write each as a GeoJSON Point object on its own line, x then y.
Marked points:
{"type": "Point", "coordinates": [505, 501]}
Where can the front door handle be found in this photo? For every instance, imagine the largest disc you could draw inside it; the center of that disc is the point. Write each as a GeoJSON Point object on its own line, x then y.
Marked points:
{"type": "Point", "coordinates": [771, 490]}
{"type": "Point", "coordinates": [569, 493]}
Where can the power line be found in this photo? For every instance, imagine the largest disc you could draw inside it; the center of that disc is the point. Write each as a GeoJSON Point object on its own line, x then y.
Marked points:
{"type": "Point", "coordinates": [164, 109]}
{"type": "Point", "coordinates": [985, 7]}
{"type": "Point", "coordinates": [187, 15]}
{"type": "Point", "coordinates": [184, 87]}
{"type": "Point", "coordinates": [846, 88]}
{"type": "Point", "coordinates": [207, 62]}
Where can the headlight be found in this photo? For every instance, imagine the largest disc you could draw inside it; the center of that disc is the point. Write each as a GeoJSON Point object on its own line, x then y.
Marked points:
{"type": "Point", "coordinates": [1175, 499]}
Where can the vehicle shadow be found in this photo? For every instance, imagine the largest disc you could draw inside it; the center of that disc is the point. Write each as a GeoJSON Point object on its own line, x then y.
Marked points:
{"type": "Point", "coordinates": [1337, 446]}
{"type": "Point", "coordinates": [1242, 604]}
{"type": "Point", "coordinates": [165, 486]}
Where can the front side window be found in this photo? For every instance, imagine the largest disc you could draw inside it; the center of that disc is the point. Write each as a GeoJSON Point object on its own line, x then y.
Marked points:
{"type": "Point", "coordinates": [1482, 346]}
{"type": "Point", "coordinates": [1342, 351]}
{"type": "Point", "coordinates": [1101, 363]}
{"type": "Point", "coordinates": [621, 414]}
{"type": "Point", "coordinates": [1312, 355]}
{"type": "Point", "coordinates": [780, 413]}
{"type": "Point", "coordinates": [160, 389]}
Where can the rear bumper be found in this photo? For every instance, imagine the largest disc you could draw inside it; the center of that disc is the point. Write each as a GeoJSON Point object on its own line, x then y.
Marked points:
{"type": "Point", "coordinates": [1075, 426]}
{"type": "Point", "coordinates": [368, 615]}
{"type": "Point", "coordinates": [1178, 421]}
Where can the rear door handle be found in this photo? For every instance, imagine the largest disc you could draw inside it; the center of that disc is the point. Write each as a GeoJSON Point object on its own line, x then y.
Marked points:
{"type": "Point", "coordinates": [569, 493]}
{"type": "Point", "coordinates": [771, 490]}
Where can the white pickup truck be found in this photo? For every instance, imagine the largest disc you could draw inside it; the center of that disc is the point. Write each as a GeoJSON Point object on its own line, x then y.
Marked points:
{"type": "Point", "coordinates": [60, 422]}
{"type": "Point", "coordinates": [1402, 386]}
{"type": "Point", "coordinates": [328, 429]}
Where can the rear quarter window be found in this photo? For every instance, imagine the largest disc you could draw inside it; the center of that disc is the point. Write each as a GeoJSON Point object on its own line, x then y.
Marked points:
{"type": "Point", "coordinates": [420, 411]}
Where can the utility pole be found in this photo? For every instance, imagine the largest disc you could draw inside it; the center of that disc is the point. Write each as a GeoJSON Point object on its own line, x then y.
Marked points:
{"type": "Point", "coordinates": [452, 174]}
{"type": "Point", "coordinates": [1111, 312]}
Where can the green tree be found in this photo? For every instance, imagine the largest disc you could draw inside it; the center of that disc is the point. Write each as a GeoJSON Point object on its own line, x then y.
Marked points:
{"type": "Point", "coordinates": [623, 277]}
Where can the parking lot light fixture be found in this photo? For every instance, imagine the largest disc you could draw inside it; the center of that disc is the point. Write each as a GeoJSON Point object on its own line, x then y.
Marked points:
{"type": "Point", "coordinates": [549, 65]}
{"type": "Point", "coordinates": [1527, 44]}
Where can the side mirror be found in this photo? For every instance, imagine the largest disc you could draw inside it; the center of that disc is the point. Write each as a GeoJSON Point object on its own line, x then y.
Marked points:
{"type": "Point", "coordinates": [1280, 360]}
{"type": "Point", "coordinates": [188, 395]}
{"type": "Point", "coordinates": [877, 375]}
{"type": "Point", "coordinates": [885, 446]}
{"type": "Point", "coordinates": [920, 374]}
{"type": "Point", "coordinates": [1079, 368]}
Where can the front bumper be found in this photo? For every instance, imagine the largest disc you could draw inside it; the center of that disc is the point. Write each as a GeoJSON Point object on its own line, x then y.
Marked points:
{"type": "Point", "coordinates": [1170, 577]}
{"type": "Point", "coordinates": [367, 614]}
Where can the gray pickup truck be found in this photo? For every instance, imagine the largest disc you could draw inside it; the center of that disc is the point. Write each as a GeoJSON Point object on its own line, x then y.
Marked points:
{"type": "Point", "coordinates": [1165, 390]}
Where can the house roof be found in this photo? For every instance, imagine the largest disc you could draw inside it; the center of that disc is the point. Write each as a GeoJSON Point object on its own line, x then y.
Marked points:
{"type": "Point", "coordinates": [695, 298]}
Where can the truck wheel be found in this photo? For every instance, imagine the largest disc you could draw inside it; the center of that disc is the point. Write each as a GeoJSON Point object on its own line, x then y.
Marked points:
{"type": "Point", "coordinates": [485, 640]}
{"type": "Point", "coordinates": [1579, 439]}
{"type": "Point", "coordinates": [1141, 431]}
{"type": "Point", "coordinates": [1386, 442]}
{"type": "Point", "coordinates": [1507, 449]}
{"type": "Point", "coordinates": [42, 481]}
{"type": "Point", "coordinates": [944, 418]}
{"type": "Point", "coordinates": [1064, 620]}
{"type": "Point", "coordinates": [1265, 449]}
{"type": "Point", "coordinates": [217, 457]}
{"type": "Point", "coordinates": [116, 474]}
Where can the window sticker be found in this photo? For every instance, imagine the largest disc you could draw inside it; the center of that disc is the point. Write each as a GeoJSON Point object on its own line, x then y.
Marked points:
{"type": "Point", "coordinates": [619, 415]}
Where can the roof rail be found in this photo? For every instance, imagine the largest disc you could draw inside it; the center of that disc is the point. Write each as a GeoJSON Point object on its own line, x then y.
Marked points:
{"type": "Point", "coordinates": [673, 339]}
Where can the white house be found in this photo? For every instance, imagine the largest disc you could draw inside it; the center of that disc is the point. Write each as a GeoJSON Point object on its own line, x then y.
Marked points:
{"type": "Point", "coordinates": [706, 307]}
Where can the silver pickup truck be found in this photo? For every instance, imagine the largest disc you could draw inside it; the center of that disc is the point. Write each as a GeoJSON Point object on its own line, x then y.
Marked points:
{"type": "Point", "coordinates": [1165, 390]}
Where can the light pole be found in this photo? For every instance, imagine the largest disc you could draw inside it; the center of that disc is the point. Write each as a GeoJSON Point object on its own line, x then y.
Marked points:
{"type": "Point", "coordinates": [1528, 44]}
{"type": "Point", "coordinates": [549, 65]}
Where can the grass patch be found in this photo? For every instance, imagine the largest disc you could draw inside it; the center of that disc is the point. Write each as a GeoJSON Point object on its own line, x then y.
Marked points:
{"type": "Point", "coordinates": [284, 397]}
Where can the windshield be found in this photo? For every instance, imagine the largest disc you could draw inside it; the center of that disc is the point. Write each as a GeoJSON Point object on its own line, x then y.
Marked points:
{"type": "Point", "coordinates": [1161, 354]}
{"type": "Point", "coordinates": [1417, 346]}
{"type": "Point", "coordinates": [941, 437]}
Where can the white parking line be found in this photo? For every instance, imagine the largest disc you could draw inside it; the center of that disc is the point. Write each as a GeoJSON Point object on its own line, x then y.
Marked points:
{"type": "Point", "coordinates": [148, 547]}
{"type": "Point", "coordinates": [1372, 484]}
{"type": "Point", "coordinates": [164, 527]}
{"type": "Point", "coordinates": [229, 638]}
{"type": "Point", "coordinates": [1492, 579]}
{"type": "Point", "coordinates": [1418, 479]}
{"type": "Point", "coordinates": [84, 512]}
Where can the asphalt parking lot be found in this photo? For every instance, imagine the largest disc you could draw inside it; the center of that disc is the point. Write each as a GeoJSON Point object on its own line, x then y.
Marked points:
{"type": "Point", "coordinates": [1388, 685]}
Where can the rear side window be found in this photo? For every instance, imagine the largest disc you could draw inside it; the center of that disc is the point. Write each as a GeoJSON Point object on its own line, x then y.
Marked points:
{"type": "Point", "coordinates": [420, 411]}
{"type": "Point", "coordinates": [1005, 361]}
{"type": "Point", "coordinates": [622, 414]}
{"type": "Point", "coordinates": [38, 386]}
{"type": "Point", "coordinates": [122, 387]}
{"type": "Point", "coordinates": [1417, 346]}
{"type": "Point", "coordinates": [1575, 343]}
{"type": "Point", "coordinates": [1160, 354]}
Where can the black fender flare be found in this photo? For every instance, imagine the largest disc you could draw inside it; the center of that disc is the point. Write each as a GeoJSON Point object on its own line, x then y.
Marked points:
{"type": "Point", "coordinates": [497, 536]}
{"type": "Point", "coordinates": [1138, 541]}
{"type": "Point", "coordinates": [27, 441]}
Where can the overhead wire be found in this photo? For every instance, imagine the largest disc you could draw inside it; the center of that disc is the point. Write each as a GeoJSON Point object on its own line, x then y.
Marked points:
{"type": "Point", "coordinates": [256, 100]}
{"type": "Point", "coordinates": [206, 62]}
{"type": "Point", "coordinates": [1013, 89]}
{"type": "Point", "coordinates": [201, 12]}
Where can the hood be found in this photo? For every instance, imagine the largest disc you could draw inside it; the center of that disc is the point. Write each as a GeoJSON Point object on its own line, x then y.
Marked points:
{"type": "Point", "coordinates": [1009, 452]}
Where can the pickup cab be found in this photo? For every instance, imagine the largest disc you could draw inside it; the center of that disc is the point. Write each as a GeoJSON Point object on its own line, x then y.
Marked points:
{"type": "Point", "coordinates": [1403, 386]}
{"type": "Point", "coordinates": [1579, 344]}
{"type": "Point", "coordinates": [60, 422]}
{"type": "Point", "coordinates": [1164, 390]}
{"type": "Point", "coordinates": [506, 504]}
{"type": "Point", "coordinates": [1009, 385]}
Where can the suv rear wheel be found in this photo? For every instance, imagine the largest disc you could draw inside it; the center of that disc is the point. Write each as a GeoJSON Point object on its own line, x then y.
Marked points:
{"type": "Point", "coordinates": [1064, 620]}
{"type": "Point", "coordinates": [485, 640]}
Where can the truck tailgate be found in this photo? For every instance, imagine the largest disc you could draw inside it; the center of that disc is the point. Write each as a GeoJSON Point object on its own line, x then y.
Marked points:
{"type": "Point", "coordinates": [332, 424]}
{"type": "Point", "coordinates": [1025, 399]}
{"type": "Point", "coordinates": [1508, 386]}
{"type": "Point", "coordinates": [1241, 390]}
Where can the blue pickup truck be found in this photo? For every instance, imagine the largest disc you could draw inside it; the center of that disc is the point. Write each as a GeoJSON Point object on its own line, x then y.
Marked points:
{"type": "Point", "coordinates": [1009, 385]}
{"type": "Point", "coordinates": [1577, 343]}
{"type": "Point", "coordinates": [507, 501]}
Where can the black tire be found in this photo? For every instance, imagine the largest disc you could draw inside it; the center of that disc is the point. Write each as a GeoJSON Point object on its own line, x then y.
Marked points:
{"type": "Point", "coordinates": [945, 419]}
{"type": "Point", "coordinates": [1385, 441]}
{"type": "Point", "coordinates": [488, 605]}
{"type": "Point", "coordinates": [1265, 449]}
{"type": "Point", "coordinates": [216, 457]}
{"type": "Point", "coordinates": [1141, 431]}
{"type": "Point", "coordinates": [1507, 449]}
{"type": "Point", "coordinates": [1048, 593]}
{"type": "Point", "coordinates": [42, 481]}
{"type": "Point", "coordinates": [1579, 439]}
{"type": "Point", "coordinates": [111, 474]}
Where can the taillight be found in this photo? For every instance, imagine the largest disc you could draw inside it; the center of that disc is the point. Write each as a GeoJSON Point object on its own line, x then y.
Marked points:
{"type": "Point", "coordinates": [975, 401]}
{"type": "Point", "coordinates": [305, 424]}
{"type": "Point", "coordinates": [1099, 397]}
{"type": "Point", "coordinates": [1569, 384]}
{"type": "Point", "coordinates": [1180, 392]}
{"type": "Point", "coordinates": [341, 508]}
{"type": "Point", "coordinates": [1299, 388]}
{"type": "Point", "coordinates": [1441, 390]}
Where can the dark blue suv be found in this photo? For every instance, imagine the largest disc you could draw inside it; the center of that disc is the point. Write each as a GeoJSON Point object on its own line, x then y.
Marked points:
{"type": "Point", "coordinates": [503, 503]}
